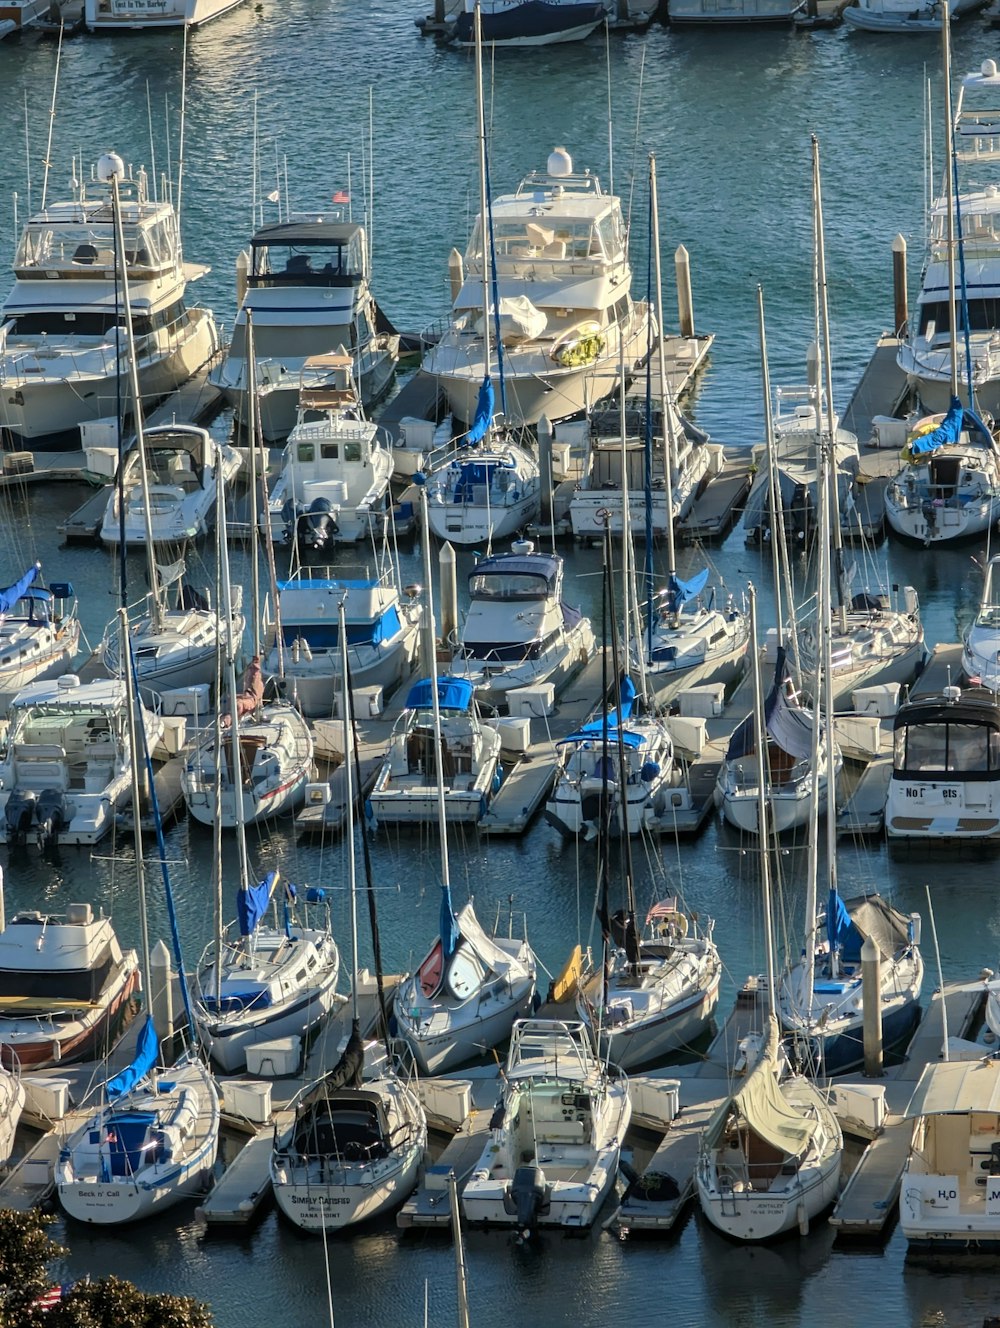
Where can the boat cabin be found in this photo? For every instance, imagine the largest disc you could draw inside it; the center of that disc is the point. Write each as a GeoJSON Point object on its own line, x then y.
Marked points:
{"type": "Point", "coordinates": [316, 252]}
{"type": "Point", "coordinates": [945, 737]}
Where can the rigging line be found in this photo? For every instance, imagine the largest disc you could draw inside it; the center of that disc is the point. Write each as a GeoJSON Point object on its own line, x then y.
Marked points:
{"type": "Point", "coordinates": [635, 144]}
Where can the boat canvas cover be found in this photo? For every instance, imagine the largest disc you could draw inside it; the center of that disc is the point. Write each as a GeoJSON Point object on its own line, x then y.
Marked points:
{"type": "Point", "coordinates": [850, 923]}
{"type": "Point", "coordinates": [760, 1102]}
{"type": "Point", "coordinates": [519, 320]}
{"type": "Point", "coordinates": [252, 902]}
{"type": "Point", "coordinates": [680, 592]}
{"type": "Point", "coordinates": [544, 566]}
{"type": "Point", "coordinates": [9, 595]}
{"type": "Point", "coordinates": [596, 727]}
{"type": "Point", "coordinates": [583, 293]}
{"type": "Point", "coordinates": [453, 694]}
{"type": "Point", "coordinates": [484, 416]}
{"type": "Point", "coordinates": [147, 1048]}
{"type": "Point", "coordinates": [790, 726]}
{"type": "Point", "coordinates": [957, 1086]}
{"type": "Point", "coordinates": [959, 417]}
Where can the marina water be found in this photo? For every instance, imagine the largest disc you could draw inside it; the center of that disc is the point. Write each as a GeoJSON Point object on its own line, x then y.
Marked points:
{"type": "Point", "coordinates": [729, 116]}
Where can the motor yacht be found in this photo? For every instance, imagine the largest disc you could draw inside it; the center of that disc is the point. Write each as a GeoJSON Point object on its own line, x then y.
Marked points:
{"type": "Point", "coordinates": [63, 350]}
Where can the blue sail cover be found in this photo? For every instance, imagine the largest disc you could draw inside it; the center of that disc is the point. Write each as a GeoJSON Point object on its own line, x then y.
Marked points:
{"type": "Point", "coordinates": [146, 1051]}
{"type": "Point", "coordinates": [453, 694]}
{"type": "Point", "coordinates": [484, 414]}
{"type": "Point", "coordinates": [450, 934]}
{"type": "Point", "coordinates": [252, 902]}
{"type": "Point", "coordinates": [11, 594]}
{"type": "Point", "coordinates": [949, 429]}
{"type": "Point", "coordinates": [840, 929]}
{"type": "Point", "coordinates": [595, 729]}
{"type": "Point", "coordinates": [680, 592]}
{"type": "Point", "coordinates": [789, 726]}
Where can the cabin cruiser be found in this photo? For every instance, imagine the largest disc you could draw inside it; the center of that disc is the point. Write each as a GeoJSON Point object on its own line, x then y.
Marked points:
{"type": "Point", "coordinates": [39, 632]}
{"type": "Point", "coordinates": [567, 320]}
{"type": "Point", "coordinates": [305, 285]}
{"type": "Point", "coordinates": [903, 15]}
{"type": "Point", "coordinates": [799, 423]}
{"type": "Point", "coordinates": [406, 787]}
{"type": "Point", "coordinates": [556, 1136]}
{"type": "Point", "coordinates": [597, 498]}
{"type": "Point", "coordinates": [141, 15]}
{"type": "Point", "coordinates": [66, 987]}
{"type": "Point", "coordinates": [946, 767]}
{"type": "Point", "coordinates": [383, 636]}
{"type": "Point", "coordinates": [62, 345]}
{"type": "Point", "coordinates": [333, 487]}
{"type": "Point", "coordinates": [67, 764]}
{"type": "Point", "coordinates": [517, 630]}
{"type": "Point", "coordinates": [180, 485]}
{"type": "Point", "coordinates": [949, 486]}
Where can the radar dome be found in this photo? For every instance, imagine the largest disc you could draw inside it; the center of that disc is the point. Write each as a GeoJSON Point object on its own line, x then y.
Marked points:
{"type": "Point", "coordinates": [989, 69]}
{"type": "Point", "coordinates": [109, 166]}
{"type": "Point", "coordinates": [560, 162]}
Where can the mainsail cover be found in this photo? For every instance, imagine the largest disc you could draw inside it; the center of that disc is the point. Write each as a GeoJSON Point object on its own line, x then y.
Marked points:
{"type": "Point", "coordinates": [680, 592]}
{"type": "Point", "coordinates": [761, 1104]}
{"type": "Point", "coordinates": [789, 726]}
{"type": "Point", "coordinates": [959, 417]}
{"type": "Point", "coordinates": [484, 414]}
{"type": "Point", "coordinates": [11, 594]}
{"type": "Point", "coordinates": [252, 902]}
{"type": "Point", "coordinates": [450, 934]}
{"type": "Point", "coordinates": [146, 1052]}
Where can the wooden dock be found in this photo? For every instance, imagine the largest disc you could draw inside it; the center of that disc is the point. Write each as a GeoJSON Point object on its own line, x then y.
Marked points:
{"type": "Point", "coordinates": [864, 812]}
{"type": "Point", "coordinates": [655, 1199]}
{"type": "Point", "coordinates": [329, 817]}
{"type": "Point", "coordinates": [683, 358]}
{"type": "Point", "coordinates": [428, 1206]}
{"type": "Point", "coordinates": [237, 1197]}
{"type": "Point", "coordinates": [881, 391]}
{"type": "Point", "coordinates": [714, 512]}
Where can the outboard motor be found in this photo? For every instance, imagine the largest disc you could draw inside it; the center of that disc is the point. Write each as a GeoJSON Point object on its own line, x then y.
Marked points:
{"type": "Point", "coordinates": [527, 1197]}
{"type": "Point", "coordinates": [19, 815]}
{"type": "Point", "coordinates": [318, 524]}
{"type": "Point", "coordinates": [52, 818]}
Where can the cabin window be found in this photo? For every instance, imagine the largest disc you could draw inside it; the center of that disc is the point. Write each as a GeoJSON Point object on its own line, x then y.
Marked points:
{"type": "Point", "coordinates": [352, 451]}
{"type": "Point", "coordinates": [306, 452]}
{"type": "Point", "coordinates": [313, 416]}
{"type": "Point", "coordinates": [947, 748]}
{"type": "Point", "coordinates": [329, 451]}
{"type": "Point", "coordinates": [507, 585]}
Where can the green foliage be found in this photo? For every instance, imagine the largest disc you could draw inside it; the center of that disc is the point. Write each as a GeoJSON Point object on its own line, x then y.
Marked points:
{"type": "Point", "coordinates": [25, 1254]}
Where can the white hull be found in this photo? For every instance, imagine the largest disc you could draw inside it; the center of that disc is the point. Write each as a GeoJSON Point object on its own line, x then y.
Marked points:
{"type": "Point", "coordinates": [314, 686]}
{"type": "Point", "coordinates": [257, 806]}
{"type": "Point", "coordinates": [470, 525]}
{"type": "Point", "coordinates": [51, 663]}
{"type": "Point", "coordinates": [751, 1215]}
{"type": "Point", "coordinates": [493, 682]}
{"type": "Point", "coordinates": [361, 1193]}
{"type": "Point", "coordinates": [278, 405]}
{"type": "Point", "coordinates": [110, 16]}
{"type": "Point", "coordinates": [402, 808]}
{"type": "Point", "coordinates": [725, 667]}
{"type": "Point", "coordinates": [671, 1030]}
{"type": "Point", "coordinates": [950, 524]}
{"type": "Point", "coordinates": [457, 1045]}
{"type": "Point", "coordinates": [228, 1045]}
{"type": "Point", "coordinates": [572, 1204]}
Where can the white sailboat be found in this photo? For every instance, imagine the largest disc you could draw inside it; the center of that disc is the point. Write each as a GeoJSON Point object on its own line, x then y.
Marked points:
{"type": "Point", "coordinates": [152, 1138]}
{"type": "Point", "coordinates": [354, 1145]}
{"type": "Point", "coordinates": [463, 999]}
{"type": "Point", "coordinates": [981, 643]}
{"type": "Point", "coordinates": [769, 1160]}
{"type": "Point", "coordinates": [39, 632]}
{"type": "Point", "coordinates": [257, 980]}
{"type": "Point", "coordinates": [556, 1137]}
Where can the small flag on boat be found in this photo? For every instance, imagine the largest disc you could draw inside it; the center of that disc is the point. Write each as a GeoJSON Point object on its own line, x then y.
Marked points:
{"type": "Point", "coordinates": [662, 909]}
{"type": "Point", "coordinates": [273, 196]}
{"type": "Point", "coordinates": [340, 196]}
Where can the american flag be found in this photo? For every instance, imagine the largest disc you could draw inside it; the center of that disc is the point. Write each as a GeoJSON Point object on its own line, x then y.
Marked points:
{"type": "Point", "coordinates": [662, 909]}
{"type": "Point", "coordinates": [340, 196]}
{"type": "Point", "coordinates": [49, 1299]}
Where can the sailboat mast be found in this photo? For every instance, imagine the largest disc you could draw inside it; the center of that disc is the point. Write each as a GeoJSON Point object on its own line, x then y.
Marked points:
{"type": "Point", "coordinates": [619, 734]}
{"type": "Point", "coordinates": [483, 201]}
{"type": "Point", "coordinates": [760, 741]}
{"type": "Point", "coordinates": [110, 167]}
{"type": "Point", "coordinates": [835, 532]}
{"type": "Point", "coordinates": [666, 405]}
{"type": "Point", "coordinates": [349, 803]}
{"type": "Point", "coordinates": [831, 771]}
{"type": "Point", "coordinates": [135, 748]}
{"type": "Point", "coordinates": [950, 196]}
{"type": "Point", "coordinates": [251, 372]}
{"type": "Point", "coordinates": [239, 811]}
{"type": "Point", "coordinates": [772, 473]}
{"type": "Point", "coordinates": [435, 703]}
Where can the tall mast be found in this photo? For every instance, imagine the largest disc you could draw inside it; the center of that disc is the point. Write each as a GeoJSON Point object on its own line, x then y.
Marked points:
{"type": "Point", "coordinates": [950, 196]}
{"type": "Point", "coordinates": [436, 706]}
{"type": "Point", "coordinates": [136, 747]}
{"type": "Point", "coordinates": [760, 740]}
{"type": "Point", "coordinates": [349, 795]}
{"type": "Point", "coordinates": [620, 739]}
{"type": "Point", "coordinates": [666, 404]}
{"type": "Point", "coordinates": [483, 201]}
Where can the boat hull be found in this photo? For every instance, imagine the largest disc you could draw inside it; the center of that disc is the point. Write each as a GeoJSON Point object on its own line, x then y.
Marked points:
{"type": "Point", "coordinates": [750, 1215]}
{"type": "Point", "coordinates": [363, 1194]}
{"type": "Point", "coordinates": [673, 1030]}
{"type": "Point", "coordinates": [437, 1054]}
{"type": "Point", "coordinates": [227, 1043]}
{"type": "Point", "coordinates": [532, 23]}
{"type": "Point", "coordinates": [84, 1040]}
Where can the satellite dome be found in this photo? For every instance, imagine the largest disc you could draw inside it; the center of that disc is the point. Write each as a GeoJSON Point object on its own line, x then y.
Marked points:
{"type": "Point", "coordinates": [110, 165]}
{"type": "Point", "coordinates": [560, 162]}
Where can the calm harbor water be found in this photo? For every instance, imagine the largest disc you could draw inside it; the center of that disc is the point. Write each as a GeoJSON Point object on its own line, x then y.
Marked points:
{"type": "Point", "coordinates": [729, 116]}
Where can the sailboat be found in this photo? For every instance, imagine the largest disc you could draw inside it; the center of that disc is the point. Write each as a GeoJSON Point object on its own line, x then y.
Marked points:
{"type": "Point", "coordinates": [255, 981]}
{"type": "Point", "coordinates": [821, 999]}
{"type": "Point", "coordinates": [619, 769]}
{"type": "Point", "coordinates": [152, 1138]}
{"type": "Point", "coordinates": [172, 645]}
{"type": "Point", "coordinates": [769, 1159]}
{"type": "Point", "coordinates": [871, 640]}
{"type": "Point", "coordinates": [39, 632]}
{"type": "Point", "coordinates": [488, 488]}
{"type": "Point", "coordinates": [463, 999]}
{"type": "Point", "coordinates": [354, 1145]}
{"type": "Point", "coordinates": [704, 644]}
{"type": "Point", "coordinates": [981, 643]}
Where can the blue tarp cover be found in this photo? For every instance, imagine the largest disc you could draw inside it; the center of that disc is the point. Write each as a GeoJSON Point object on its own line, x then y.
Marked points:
{"type": "Point", "coordinates": [959, 417]}
{"type": "Point", "coordinates": [595, 729]}
{"type": "Point", "coordinates": [450, 934]}
{"type": "Point", "coordinates": [484, 413]}
{"type": "Point", "coordinates": [453, 694]}
{"type": "Point", "coordinates": [679, 592]}
{"type": "Point", "coordinates": [11, 594]}
{"type": "Point", "coordinates": [326, 635]}
{"type": "Point", "coordinates": [252, 902]}
{"type": "Point", "coordinates": [146, 1050]}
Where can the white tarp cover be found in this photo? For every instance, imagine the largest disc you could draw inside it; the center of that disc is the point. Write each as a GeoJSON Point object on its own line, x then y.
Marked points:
{"type": "Point", "coordinates": [760, 1102]}
{"type": "Point", "coordinates": [957, 1086]}
{"type": "Point", "coordinates": [519, 320]}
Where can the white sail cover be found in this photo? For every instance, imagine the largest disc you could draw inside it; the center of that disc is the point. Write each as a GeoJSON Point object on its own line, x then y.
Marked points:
{"type": "Point", "coordinates": [760, 1102]}
{"type": "Point", "coordinates": [519, 320]}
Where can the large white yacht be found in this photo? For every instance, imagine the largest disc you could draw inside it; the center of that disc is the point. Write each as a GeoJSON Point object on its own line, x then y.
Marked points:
{"type": "Point", "coordinates": [333, 487]}
{"type": "Point", "coordinates": [62, 348]}
{"type": "Point", "coordinates": [517, 630]}
{"type": "Point", "coordinates": [305, 286]}
{"type": "Point", "coordinates": [567, 319]}
{"type": "Point", "coordinates": [67, 764]}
